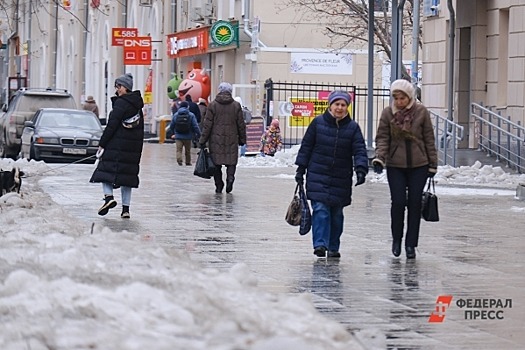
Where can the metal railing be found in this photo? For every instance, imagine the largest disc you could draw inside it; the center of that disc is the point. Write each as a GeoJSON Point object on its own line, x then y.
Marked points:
{"type": "Point", "coordinates": [447, 134]}
{"type": "Point", "coordinates": [499, 136]}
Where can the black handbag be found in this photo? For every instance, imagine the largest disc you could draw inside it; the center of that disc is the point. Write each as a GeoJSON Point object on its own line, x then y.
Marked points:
{"type": "Point", "coordinates": [429, 203]}
{"type": "Point", "coordinates": [204, 166]}
{"type": "Point", "coordinates": [294, 212]}
{"type": "Point", "coordinates": [306, 215]}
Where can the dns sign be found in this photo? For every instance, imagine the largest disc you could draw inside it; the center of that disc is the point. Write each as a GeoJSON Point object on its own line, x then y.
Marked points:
{"type": "Point", "coordinates": [137, 50]}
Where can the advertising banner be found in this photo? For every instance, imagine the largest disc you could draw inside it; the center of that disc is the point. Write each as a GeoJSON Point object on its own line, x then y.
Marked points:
{"type": "Point", "coordinates": [321, 63]}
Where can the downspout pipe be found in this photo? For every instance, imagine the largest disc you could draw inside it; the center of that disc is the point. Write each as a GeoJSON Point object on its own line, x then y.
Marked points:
{"type": "Point", "coordinates": [29, 43]}
{"type": "Point", "coordinates": [84, 49]}
{"type": "Point", "coordinates": [370, 92]}
{"type": "Point", "coordinates": [246, 20]}
{"type": "Point", "coordinates": [56, 47]}
{"type": "Point", "coordinates": [451, 44]}
{"type": "Point", "coordinates": [174, 5]}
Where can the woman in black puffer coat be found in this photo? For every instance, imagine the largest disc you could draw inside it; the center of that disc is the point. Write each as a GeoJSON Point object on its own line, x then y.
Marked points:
{"type": "Point", "coordinates": [120, 148]}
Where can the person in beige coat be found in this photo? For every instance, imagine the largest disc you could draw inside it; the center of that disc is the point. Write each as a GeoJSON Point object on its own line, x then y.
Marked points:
{"type": "Point", "coordinates": [224, 130]}
{"type": "Point", "coordinates": [405, 145]}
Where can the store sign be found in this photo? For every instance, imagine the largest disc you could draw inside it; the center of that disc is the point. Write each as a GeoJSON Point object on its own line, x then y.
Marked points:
{"type": "Point", "coordinates": [119, 34]}
{"type": "Point", "coordinates": [222, 33]}
{"type": "Point", "coordinates": [137, 51]}
{"type": "Point", "coordinates": [188, 43]}
{"type": "Point", "coordinates": [321, 63]}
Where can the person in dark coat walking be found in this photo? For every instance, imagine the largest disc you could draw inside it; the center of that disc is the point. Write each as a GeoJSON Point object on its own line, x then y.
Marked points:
{"type": "Point", "coordinates": [120, 148]}
{"type": "Point", "coordinates": [203, 107]}
{"type": "Point", "coordinates": [405, 145]}
{"type": "Point", "coordinates": [194, 108]}
{"type": "Point", "coordinates": [224, 130]}
{"type": "Point", "coordinates": [332, 148]}
{"type": "Point", "coordinates": [183, 138]}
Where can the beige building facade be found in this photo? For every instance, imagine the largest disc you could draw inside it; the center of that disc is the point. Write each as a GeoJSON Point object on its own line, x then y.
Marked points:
{"type": "Point", "coordinates": [489, 60]}
{"type": "Point", "coordinates": [68, 45]}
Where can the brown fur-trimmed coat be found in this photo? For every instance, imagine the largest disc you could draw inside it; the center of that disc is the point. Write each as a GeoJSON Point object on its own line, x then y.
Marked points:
{"type": "Point", "coordinates": [406, 149]}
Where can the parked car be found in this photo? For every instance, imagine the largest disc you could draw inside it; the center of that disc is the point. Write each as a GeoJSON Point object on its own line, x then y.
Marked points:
{"type": "Point", "coordinates": [60, 134]}
{"type": "Point", "coordinates": [22, 106]}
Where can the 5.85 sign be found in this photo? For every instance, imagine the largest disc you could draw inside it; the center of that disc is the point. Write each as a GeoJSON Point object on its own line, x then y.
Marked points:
{"type": "Point", "coordinates": [119, 34]}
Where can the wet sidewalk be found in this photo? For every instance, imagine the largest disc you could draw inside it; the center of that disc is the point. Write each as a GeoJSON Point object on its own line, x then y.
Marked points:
{"type": "Point", "coordinates": [474, 253]}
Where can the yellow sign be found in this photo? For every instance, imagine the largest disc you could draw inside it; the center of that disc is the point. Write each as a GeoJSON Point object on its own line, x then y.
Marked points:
{"type": "Point", "coordinates": [319, 107]}
{"type": "Point", "coordinates": [148, 99]}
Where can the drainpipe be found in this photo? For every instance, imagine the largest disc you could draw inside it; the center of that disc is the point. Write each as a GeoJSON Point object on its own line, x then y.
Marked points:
{"type": "Point", "coordinates": [56, 47]}
{"type": "Point", "coordinates": [451, 44]}
{"type": "Point", "coordinates": [84, 50]}
{"type": "Point", "coordinates": [246, 19]}
{"type": "Point", "coordinates": [174, 30]}
{"type": "Point", "coordinates": [29, 44]}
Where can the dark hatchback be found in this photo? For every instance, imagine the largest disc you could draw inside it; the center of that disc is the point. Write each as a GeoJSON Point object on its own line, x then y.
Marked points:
{"type": "Point", "coordinates": [61, 135]}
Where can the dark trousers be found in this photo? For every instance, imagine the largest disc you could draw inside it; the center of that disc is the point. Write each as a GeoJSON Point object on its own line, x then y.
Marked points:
{"type": "Point", "coordinates": [230, 175]}
{"type": "Point", "coordinates": [186, 144]}
{"type": "Point", "coordinates": [406, 188]}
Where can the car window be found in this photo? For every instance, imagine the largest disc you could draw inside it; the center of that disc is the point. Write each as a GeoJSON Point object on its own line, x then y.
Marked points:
{"type": "Point", "coordinates": [47, 120]}
{"type": "Point", "coordinates": [85, 121]}
{"type": "Point", "coordinates": [32, 103]}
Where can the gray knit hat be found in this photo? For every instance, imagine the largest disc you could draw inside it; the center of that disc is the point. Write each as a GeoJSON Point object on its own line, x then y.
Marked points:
{"type": "Point", "coordinates": [125, 80]}
{"type": "Point", "coordinates": [338, 95]}
{"type": "Point", "coordinates": [225, 87]}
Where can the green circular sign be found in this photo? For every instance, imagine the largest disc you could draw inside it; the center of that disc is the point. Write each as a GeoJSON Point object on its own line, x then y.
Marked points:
{"type": "Point", "coordinates": [222, 33]}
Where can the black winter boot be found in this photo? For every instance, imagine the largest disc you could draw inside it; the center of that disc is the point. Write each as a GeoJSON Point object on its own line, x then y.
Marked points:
{"type": "Point", "coordinates": [229, 186]}
{"type": "Point", "coordinates": [125, 212]}
{"type": "Point", "coordinates": [109, 202]}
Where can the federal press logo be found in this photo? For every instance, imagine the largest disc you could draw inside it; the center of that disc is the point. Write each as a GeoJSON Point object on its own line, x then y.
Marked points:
{"type": "Point", "coordinates": [442, 304]}
{"type": "Point", "coordinates": [474, 308]}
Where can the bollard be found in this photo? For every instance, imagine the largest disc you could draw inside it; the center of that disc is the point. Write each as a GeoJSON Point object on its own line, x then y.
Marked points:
{"type": "Point", "coordinates": [162, 130]}
{"type": "Point", "coordinates": [520, 192]}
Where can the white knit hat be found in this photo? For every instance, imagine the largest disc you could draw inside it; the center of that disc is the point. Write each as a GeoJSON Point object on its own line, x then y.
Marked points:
{"type": "Point", "coordinates": [404, 86]}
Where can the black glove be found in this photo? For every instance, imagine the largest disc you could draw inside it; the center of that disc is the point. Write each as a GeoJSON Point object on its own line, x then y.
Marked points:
{"type": "Point", "coordinates": [360, 178]}
{"type": "Point", "coordinates": [241, 144]}
{"type": "Point", "coordinates": [431, 172]}
{"type": "Point", "coordinates": [202, 145]}
{"type": "Point", "coordinates": [299, 175]}
{"type": "Point", "coordinates": [378, 167]}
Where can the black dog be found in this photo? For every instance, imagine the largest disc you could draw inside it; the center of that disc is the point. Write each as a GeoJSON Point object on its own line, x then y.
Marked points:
{"type": "Point", "coordinates": [11, 181]}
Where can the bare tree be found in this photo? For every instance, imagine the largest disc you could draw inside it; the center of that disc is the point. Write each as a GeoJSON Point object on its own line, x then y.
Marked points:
{"type": "Point", "coordinates": [345, 22]}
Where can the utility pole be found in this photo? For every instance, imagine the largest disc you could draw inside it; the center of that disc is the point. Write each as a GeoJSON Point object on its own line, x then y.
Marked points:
{"type": "Point", "coordinates": [370, 93]}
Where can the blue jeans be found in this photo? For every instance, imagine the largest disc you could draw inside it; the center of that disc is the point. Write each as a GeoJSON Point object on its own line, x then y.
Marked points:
{"type": "Point", "coordinates": [124, 191]}
{"type": "Point", "coordinates": [327, 225]}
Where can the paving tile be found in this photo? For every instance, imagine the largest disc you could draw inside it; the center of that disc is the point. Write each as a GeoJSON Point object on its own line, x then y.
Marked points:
{"type": "Point", "coordinates": [475, 251]}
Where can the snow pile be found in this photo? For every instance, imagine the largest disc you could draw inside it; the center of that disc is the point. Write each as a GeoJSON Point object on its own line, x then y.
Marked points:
{"type": "Point", "coordinates": [65, 286]}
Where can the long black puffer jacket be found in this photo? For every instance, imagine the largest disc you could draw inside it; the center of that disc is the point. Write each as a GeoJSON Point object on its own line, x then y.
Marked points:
{"type": "Point", "coordinates": [119, 164]}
